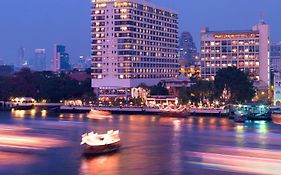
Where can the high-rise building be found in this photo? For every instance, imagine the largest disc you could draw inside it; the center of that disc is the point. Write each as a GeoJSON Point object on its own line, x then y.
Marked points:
{"type": "Point", "coordinates": [188, 50]}
{"type": "Point", "coordinates": [39, 60]}
{"type": "Point", "coordinates": [60, 59]}
{"type": "Point", "coordinates": [247, 50]}
{"type": "Point", "coordinates": [275, 56]}
{"type": "Point", "coordinates": [133, 42]}
{"type": "Point", "coordinates": [22, 60]}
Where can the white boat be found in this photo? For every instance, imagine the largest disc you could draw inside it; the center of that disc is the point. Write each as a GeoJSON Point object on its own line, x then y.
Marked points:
{"type": "Point", "coordinates": [22, 103]}
{"type": "Point", "coordinates": [95, 143]}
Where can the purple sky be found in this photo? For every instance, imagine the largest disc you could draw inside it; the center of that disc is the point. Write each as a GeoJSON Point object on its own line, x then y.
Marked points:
{"type": "Point", "coordinates": [39, 24]}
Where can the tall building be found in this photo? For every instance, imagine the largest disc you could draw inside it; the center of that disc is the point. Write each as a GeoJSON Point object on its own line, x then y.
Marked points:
{"type": "Point", "coordinates": [22, 60]}
{"type": "Point", "coordinates": [247, 50]}
{"type": "Point", "coordinates": [133, 42]}
{"type": "Point", "coordinates": [277, 89]}
{"type": "Point", "coordinates": [275, 56]}
{"type": "Point", "coordinates": [60, 59]}
{"type": "Point", "coordinates": [39, 60]}
{"type": "Point", "coordinates": [188, 50]}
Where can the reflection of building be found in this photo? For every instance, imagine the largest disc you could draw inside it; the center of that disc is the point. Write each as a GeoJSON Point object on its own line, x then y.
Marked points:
{"type": "Point", "coordinates": [60, 59]}
{"type": "Point", "coordinates": [39, 60]}
{"type": "Point", "coordinates": [133, 42]}
{"type": "Point", "coordinates": [247, 50]}
{"type": "Point", "coordinates": [188, 50]}
{"type": "Point", "coordinates": [275, 56]}
{"type": "Point", "coordinates": [277, 89]}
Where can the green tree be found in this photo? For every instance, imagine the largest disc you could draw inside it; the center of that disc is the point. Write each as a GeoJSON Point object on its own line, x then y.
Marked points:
{"type": "Point", "coordinates": [184, 95]}
{"type": "Point", "coordinates": [237, 82]}
{"type": "Point", "coordinates": [159, 89]}
{"type": "Point", "coordinates": [201, 91]}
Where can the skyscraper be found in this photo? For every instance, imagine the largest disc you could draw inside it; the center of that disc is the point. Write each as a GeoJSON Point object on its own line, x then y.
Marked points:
{"type": "Point", "coordinates": [247, 50]}
{"type": "Point", "coordinates": [188, 50]}
{"type": "Point", "coordinates": [22, 60]}
{"type": "Point", "coordinates": [133, 42]}
{"type": "Point", "coordinates": [275, 56]}
{"type": "Point", "coordinates": [39, 60]}
{"type": "Point", "coordinates": [60, 59]}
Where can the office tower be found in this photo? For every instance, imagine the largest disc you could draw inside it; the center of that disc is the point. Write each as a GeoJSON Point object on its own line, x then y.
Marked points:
{"type": "Point", "coordinates": [188, 50]}
{"type": "Point", "coordinates": [133, 42]}
{"type": "Point", "coordinates": [60, 59]}
{"type": "Point", "coordinates": [22, 60]}
{"type": "Point", "coordinates": [39, 60]}
{"type": "Point", "coordinates": [247, 50]}
{"type": "Point", "coordinates": [275, 56]}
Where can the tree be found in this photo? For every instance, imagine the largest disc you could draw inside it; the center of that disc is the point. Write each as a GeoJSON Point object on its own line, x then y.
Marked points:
{"type": "Point", "coordinates": [184, 95]}
{"type": "Point", "coordinates": [159, 89]}
{"type": "Point", "coordinates": [235, 81]}
{"type": "Point", "coordinates": [202, 91]}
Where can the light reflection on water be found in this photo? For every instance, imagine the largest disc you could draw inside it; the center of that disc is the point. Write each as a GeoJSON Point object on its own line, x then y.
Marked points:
{"type": "Point", "coordinates": [150, 144]}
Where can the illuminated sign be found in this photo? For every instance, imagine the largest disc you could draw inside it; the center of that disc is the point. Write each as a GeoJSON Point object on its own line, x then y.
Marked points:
{"type": "Point", "coordinates": [241, 35]}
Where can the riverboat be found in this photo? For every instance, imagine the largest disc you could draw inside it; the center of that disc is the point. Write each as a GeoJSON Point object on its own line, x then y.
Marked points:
{"type": "Point", "coordinates": [95, 144]}
{"type": "Point", "coordinates": [22, 103]}
{"type": "Point", "coordinates": [276, 114]}
{"type": "Point", "coordinates": [240, 116]}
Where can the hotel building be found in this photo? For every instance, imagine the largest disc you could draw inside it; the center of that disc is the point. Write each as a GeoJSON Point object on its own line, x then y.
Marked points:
{"type": "Point", "coordinates": [133, 42]}
{"type": "Point", "coordinates": [247, 50]}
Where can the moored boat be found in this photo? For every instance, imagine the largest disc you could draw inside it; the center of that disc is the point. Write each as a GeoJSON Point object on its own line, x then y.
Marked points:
{"type": "Point", "coordinates": [276, 114]}
{"type": "Point", "coordinates": [276, 118]}
{"type": "Point", "coordinates": [240, 116]}
{"type": "Point", "coordinates": [95, 143]}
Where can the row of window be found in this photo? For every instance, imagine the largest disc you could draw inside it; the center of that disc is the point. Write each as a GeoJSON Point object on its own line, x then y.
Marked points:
{"type": "Point", "coordinates": [146, 76]}
{"type": "Point", "coordinates": [142, 36]}
{"type": "Point", "coordinates": [166, 33]}
{"type": "Point", "coordinates": [146, 43]}
{"type": "Point", "coordinates": [230, 42]}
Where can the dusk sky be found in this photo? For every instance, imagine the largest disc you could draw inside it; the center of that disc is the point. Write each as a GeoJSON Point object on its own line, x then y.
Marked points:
{"type": "Point", "coordinates": [40, 24]}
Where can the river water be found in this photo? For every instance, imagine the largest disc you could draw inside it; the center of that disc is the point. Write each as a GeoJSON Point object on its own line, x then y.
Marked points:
{"type": "Point", "coordinates": [43, 143]}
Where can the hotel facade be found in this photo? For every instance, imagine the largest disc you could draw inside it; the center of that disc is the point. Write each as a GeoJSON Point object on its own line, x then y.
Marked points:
{"type": "Point", "coordinates": [133, 42]}
{"type": "Point", "coordinates": [247, 50]}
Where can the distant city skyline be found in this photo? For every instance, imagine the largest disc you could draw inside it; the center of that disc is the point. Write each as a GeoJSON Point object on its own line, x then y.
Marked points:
{"type": "Point", "coordinates": [35, 24]}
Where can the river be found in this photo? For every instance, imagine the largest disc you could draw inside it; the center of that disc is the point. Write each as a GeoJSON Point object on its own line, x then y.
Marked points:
{"type": "Point", "coordinates": [44, 143]}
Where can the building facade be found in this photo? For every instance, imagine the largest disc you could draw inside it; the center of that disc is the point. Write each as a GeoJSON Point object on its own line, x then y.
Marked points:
{"type": "Point", "coordinates": [60, 59]}
{"type": "Point", "coordinates": [133, 42]}
{"type": "Point", "coordinates": [275, 56]}
{"type": "Point", "coordinates": [39, 60]}
{"type": "Point", "coordinates": [188, 50]}
{"type": "Point", "coordinates": [22, 60]}
{"type": "Point", "coordinates": [247, 50]}
{"type": "Point", "coordinates": [277, 89]}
